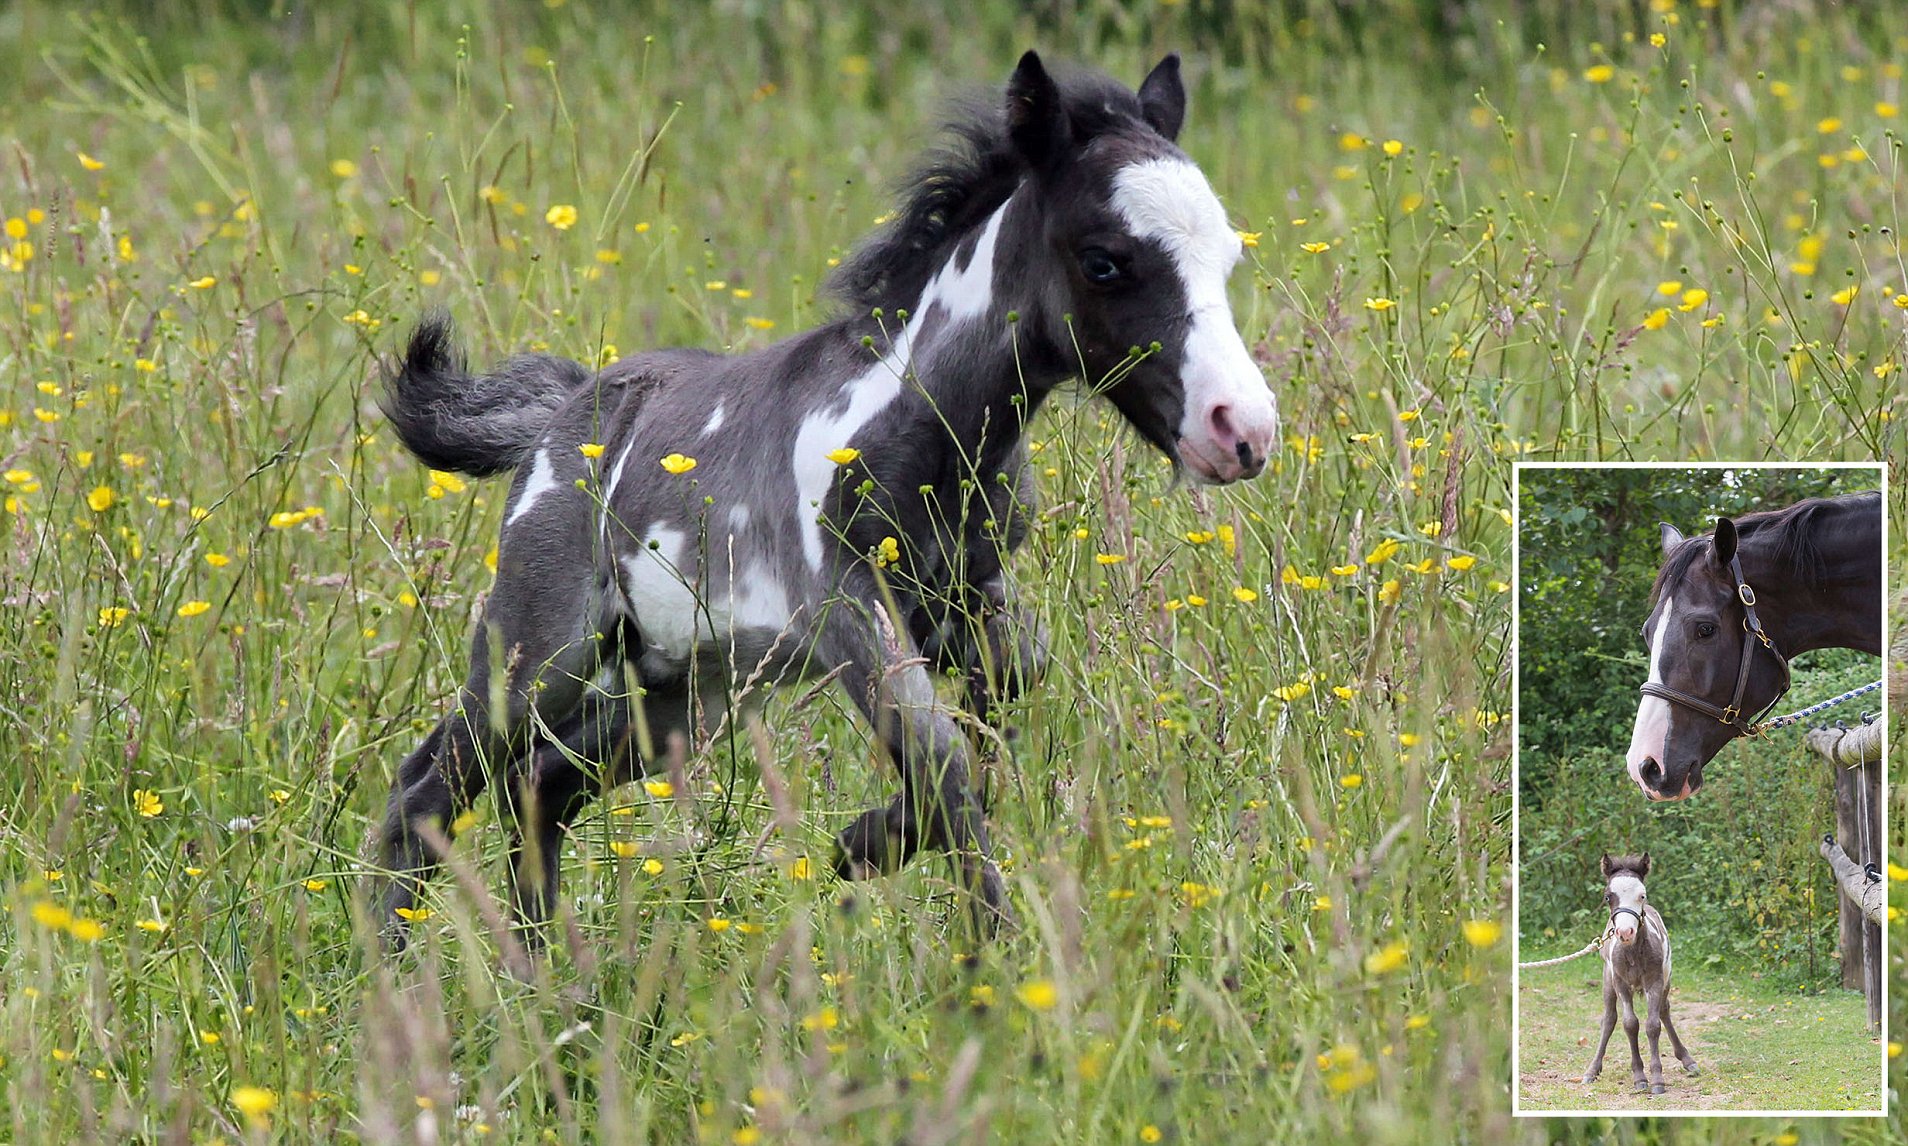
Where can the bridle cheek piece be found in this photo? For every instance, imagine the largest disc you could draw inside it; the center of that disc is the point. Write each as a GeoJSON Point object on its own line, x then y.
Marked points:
{"type": "Point", "coordinates": [1731, 714]}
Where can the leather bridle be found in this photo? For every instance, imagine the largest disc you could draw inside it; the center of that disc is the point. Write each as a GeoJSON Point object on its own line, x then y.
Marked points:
{"type": "Point", "coordinates": [1731, 713]}
{"type": "Point", "coordinates": [1633, 911]}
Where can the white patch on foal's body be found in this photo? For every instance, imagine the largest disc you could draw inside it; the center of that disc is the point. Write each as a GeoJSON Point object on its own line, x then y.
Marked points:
{"type": "Point", "coordinates": [616, 472]}
{"type": "Point", "coordinates": [962, 294]}
{"type": "Point", "coordinates": [1651, 734]}
{"type": "Point", "coordinates": [1168, 200]}
{"type": "Point", "coordinates": [661, 584]}
{"type": "Point", "coordinates": [715, 420]}
{"type": "Point", "coordinates": [542, 480]}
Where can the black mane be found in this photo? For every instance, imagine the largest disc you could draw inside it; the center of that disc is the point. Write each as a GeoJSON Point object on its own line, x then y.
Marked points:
{"type": "Point", "coordinates": [962, 180]}
{"type": "Point", "coordinates": [1790, 532]}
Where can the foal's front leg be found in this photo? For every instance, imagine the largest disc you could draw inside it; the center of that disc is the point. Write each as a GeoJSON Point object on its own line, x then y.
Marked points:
{"type": "Point", "coordinates": [1609, 1025]}
{"type": "Point", "coordinates": [1654, 999]}
{"type": "Point", "coordinates": [890, 683]}
{"type": "Point", "coordinates": [1631, 1026]}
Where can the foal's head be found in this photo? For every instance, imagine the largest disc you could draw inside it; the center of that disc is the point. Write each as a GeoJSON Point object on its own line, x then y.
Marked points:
{"type": "Point", "coordinates": [1624, 896]}
{"type": "Point", "coordinates": [1142, 250]}
{"type": "Point", "coordinates": [1696, 634]}
{"type": "Point", "coordinates": [1114, 251]}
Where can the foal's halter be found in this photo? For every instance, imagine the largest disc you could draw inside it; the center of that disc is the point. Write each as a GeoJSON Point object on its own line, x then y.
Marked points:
{"type": "Point", "coordinates": [1731, 714]}
{"type": "Point", "coordinates": [1632, 911]}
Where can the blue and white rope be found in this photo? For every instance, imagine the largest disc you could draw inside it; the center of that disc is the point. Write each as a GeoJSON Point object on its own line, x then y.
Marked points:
{"type": "Point", "coordinates": [1803, 714]}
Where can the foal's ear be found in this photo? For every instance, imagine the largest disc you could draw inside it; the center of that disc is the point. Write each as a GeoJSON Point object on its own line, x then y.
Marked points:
{"type": "Point", "coordinates": [1672, 537]}
{"type": "Point", "coordinates": [1035, 120]}
{"type": "Point", "coordinates": [1725, 542]}
{"type": "Point", "coordinates": [1163, 98]}
{"type": "Point", "coordinates": [1606, 865]}
{"type": "Point", "coordinates": [1643, 866]}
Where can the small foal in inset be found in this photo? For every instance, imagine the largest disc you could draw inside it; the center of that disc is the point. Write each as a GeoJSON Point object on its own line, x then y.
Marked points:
{"type": "Point", "coordinates": [1636, 957]}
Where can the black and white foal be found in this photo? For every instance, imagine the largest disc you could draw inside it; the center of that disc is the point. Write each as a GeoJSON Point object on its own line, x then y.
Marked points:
{"type": "Point", "coordinates": [854, 488]}
{"type": "Point", "coordinates": [1636, 957]}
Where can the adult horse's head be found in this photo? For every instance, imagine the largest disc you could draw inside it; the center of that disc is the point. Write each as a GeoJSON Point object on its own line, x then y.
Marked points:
{"type": "Point", "coordinates": [1713, 669]}
{"type": "Point", "coordinates": [1138, 249]}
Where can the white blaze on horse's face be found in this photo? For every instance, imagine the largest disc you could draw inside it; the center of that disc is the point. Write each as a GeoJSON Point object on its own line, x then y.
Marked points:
{"type": "Point", "coordinates": [1230, 419]}
{"type": "Point", "coordinates": [1627, 910]}
{"type": "Point", "coordinates": [1649, 740]}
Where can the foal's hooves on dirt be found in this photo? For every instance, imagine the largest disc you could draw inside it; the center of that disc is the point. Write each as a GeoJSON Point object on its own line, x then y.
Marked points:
{"type": "Point", "coordinates": [869, 847]}
{"type": "Point", "coordinates": [1659, 1088]}
{"type": "Point", "coordinates": [1690, 1068]}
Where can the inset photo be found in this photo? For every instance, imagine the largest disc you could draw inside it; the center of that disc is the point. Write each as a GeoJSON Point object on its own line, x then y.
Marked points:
{"type": "Point", "coordinates": [1700, 805]}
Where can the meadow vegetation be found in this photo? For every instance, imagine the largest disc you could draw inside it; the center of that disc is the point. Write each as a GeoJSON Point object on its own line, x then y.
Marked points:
{"type": "Point", "coordinates": [1257, 821]}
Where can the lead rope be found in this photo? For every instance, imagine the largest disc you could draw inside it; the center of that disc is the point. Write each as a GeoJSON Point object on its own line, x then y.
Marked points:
{"type": "Point", "coordinates": [1802, 714]}
{"type": "Point", "coordinates": [1587, 948]}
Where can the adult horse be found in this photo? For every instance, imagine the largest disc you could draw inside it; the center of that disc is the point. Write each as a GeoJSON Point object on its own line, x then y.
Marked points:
{"type": "Point", "coordinates": [837, 504]}
{"type": "Point", "coordinates": [1729, 610]}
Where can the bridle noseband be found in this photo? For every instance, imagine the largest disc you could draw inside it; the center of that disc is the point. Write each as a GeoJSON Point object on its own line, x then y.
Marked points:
{"type": "Point", "coordinates": [1731, 714]}
{"type": "Point", "coordinates": [1633, 911]}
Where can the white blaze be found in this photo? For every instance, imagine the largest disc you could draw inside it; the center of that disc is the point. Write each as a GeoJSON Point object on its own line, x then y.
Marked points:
{"type": "Point", "coordinates": [1629, 893]}
{"type": "Point", "coordinates": [1169, 201]}
{"type": "Point", "coordinates": [963, 295]}
{"type": "Point", "coordinates": [1647, 739]}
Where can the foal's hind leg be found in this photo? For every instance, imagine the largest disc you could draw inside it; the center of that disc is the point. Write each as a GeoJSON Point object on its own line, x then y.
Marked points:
{"type": "Point", "coordinates": [540, 627]}
{"type": "Point", "coordinates": [594, 751]}
{"type": "Point", "coordinates": [936, 808]}
{"type": "Point", "coordinates": [1676, 1044]}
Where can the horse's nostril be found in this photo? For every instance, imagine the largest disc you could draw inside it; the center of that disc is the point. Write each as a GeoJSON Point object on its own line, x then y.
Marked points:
{"type": "Point", "coordinates": [1221, 422]}
{"type": "Point", "coordinates": [1651, 771]}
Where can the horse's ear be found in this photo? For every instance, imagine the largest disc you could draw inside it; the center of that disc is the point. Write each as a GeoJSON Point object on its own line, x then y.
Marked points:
{"type": "Point", "coordinates": [1035, 120]}
{"type": "Point", "coordinates": [1163, 98]}
{"type": "Point", "coordinates": [1672, 537]}
{"type": "Point", "coordinates": [1643, 866]}
{"type": "Point", "coordinates": [1606, 865]}
{"type": "Point", "coordinates": [1725, 542]}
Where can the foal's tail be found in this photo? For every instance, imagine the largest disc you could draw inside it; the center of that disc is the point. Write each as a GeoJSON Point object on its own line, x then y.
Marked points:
{"type": "Point", "coordinates": [478, 425]}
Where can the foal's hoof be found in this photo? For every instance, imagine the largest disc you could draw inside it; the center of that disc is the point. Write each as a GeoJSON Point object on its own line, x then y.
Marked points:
{"type": "Point", "coordinates": [1640, 1085]}
{"type": "Point", "coordinates": [1659, 1088]}
{"type": "Point", "coordinates": [869, 847]}
{"type": "Point", "coordinates": [1690, 1067]}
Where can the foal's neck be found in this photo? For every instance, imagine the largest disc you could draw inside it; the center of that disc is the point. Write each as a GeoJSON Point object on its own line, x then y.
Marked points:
{"type": "Point", "coordinates": [957, 341]}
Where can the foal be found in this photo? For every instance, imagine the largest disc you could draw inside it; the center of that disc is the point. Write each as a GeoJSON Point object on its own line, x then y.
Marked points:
{"type": "Point", "coordinates": [1636, 957]}
{"type": "Point", "coordinates": [839, 504]}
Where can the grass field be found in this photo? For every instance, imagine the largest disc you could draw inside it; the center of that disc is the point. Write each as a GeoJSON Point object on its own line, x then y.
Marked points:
{"type": "Point", "coordinates": [1257, 819]}
{"type": "Point", "coordinates": [1756, 1047]}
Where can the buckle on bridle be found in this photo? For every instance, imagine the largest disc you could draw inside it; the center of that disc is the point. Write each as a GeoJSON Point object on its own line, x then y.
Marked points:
{"type": "Point", "coordinates": [1745, 594]}
{"type": "Point", "coordinates": [1729, 714]}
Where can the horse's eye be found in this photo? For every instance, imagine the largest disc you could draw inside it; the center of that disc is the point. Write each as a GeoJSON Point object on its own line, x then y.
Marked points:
{"type": "Point", "coordinates": [1705, 630]}
{"type": "Point", "coordinates": [1099, 266]}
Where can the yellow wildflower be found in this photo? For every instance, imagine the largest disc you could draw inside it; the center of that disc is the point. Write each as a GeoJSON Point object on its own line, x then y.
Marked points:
{"type": "Point", "coordinates": [562, 216]}
{"type": "Point", "coordinates": [678, 463]}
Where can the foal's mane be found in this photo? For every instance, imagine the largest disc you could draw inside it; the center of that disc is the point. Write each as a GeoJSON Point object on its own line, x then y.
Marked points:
{"type": "Point", "coordinates": [1627, 865]}
{"type": "Point", "coordinates": [963, 179]}
{"type": "Point", "coordinates": [1789, 533]}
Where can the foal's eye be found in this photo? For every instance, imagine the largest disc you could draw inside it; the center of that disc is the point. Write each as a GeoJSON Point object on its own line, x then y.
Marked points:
{"type": "Point", "coordinates": [1099, 266]}
{"type": "Point", "coordinates": [1705, 630]}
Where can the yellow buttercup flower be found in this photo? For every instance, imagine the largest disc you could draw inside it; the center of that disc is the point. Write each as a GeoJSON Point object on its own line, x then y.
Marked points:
{"type": "Point", "coordinates": [678, 463]}
{"type": "Point", "coordinates": [843, 456]}
{"type": "Point", "coordinates": [562, 216]}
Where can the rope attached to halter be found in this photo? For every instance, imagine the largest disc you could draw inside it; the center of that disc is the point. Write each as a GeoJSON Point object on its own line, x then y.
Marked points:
{"type": "Point", "coordinates": [1800, 715]}
{"type": "Point", "coordinates": [1586, 949]}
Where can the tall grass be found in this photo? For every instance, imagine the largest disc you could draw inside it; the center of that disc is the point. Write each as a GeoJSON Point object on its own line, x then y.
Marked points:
{"type": "Point", "coordinates": [1256, 820]}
